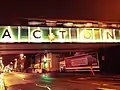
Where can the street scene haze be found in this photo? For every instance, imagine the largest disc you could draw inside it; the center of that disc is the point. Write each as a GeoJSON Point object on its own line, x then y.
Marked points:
{"type": "Point", "coordinates": [60, 45]}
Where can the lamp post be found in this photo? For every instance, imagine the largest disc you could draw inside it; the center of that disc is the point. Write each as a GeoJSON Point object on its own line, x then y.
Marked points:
{"type": "Point", "coordinates": [22, 59]}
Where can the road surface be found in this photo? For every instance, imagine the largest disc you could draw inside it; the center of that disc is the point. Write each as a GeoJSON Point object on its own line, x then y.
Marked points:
{"type": "Point", "coordinates": [24, 81]}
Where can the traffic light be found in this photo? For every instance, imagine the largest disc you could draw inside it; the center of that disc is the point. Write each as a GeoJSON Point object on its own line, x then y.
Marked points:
{"type": "Point", "coordinates": [45, 64]}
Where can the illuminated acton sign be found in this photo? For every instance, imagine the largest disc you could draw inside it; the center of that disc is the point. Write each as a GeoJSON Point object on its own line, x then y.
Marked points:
{"type": "Point", "coordinates": [54, 34]}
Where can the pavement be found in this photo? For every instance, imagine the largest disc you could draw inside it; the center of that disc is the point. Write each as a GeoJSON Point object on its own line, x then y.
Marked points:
{"type": "Point", "coordinates": [61, 81]}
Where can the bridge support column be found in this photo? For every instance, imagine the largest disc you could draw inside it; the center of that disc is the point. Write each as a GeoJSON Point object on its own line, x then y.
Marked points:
{"type": "Point", "coordinates": [55, 62]}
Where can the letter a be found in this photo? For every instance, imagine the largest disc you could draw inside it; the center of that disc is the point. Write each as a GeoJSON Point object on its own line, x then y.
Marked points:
{"type": "Point", "coordinates": [6, 33]}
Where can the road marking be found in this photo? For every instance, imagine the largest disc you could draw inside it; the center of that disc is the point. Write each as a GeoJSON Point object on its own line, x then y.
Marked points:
{"type": "Point", "coordinates": [96, 83]}
{"type": "Point", "coordinates": [44, 86]}
{"type": "Point", "coordinates": [105, 89]}
{"type": "Point", "coordinates": [73, 81]}
{"type": "Point", "coordinates": [105, 84]}
{"type": "Point", "coordinates": [82, 78]}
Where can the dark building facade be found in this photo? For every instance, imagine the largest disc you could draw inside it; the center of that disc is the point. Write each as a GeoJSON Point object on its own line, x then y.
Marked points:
{"type": "Point", "coordinates": [110, 59]}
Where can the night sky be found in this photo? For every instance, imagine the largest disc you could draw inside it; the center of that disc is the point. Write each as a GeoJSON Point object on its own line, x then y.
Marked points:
{"type": "Point", "coordinates": [61, 9]}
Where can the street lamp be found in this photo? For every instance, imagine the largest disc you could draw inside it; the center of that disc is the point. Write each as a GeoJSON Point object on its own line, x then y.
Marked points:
{"type": "Point", "coordinates": [15, 59]}
{"type": "Point", "coordinates": [1, 58]}
{"type": "Point", "coordinates": [21, 55]}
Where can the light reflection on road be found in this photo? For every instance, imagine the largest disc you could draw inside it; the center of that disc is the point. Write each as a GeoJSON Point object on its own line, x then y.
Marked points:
{"type": "Point", "coordinates": [40, 81]}
{"type": "Point", "coordinates": [20, 75]}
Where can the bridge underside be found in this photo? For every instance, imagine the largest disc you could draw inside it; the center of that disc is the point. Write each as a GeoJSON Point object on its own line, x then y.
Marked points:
{"type": "Point", "coordinates": [17, 48]}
